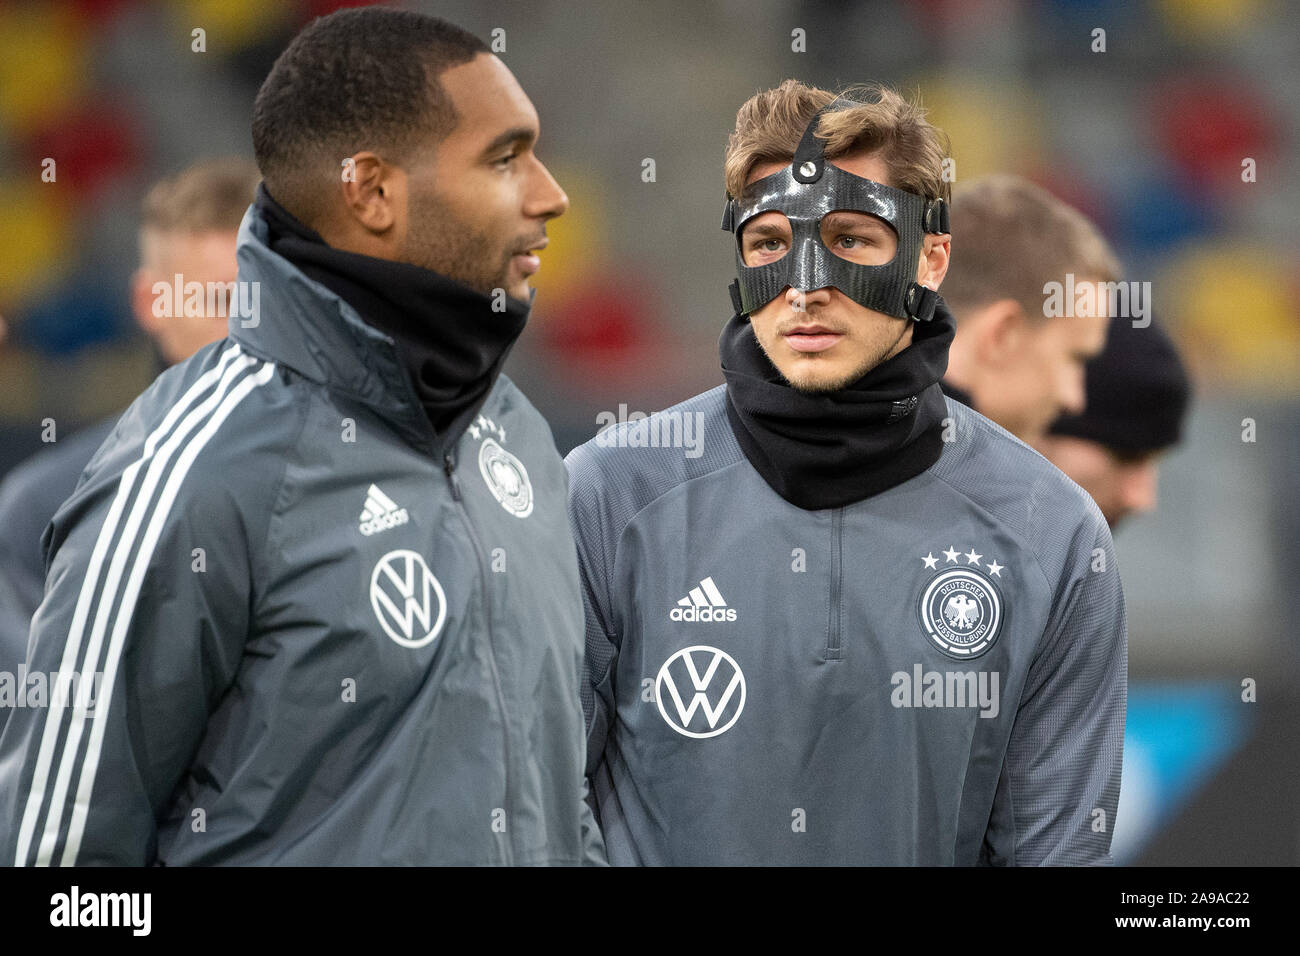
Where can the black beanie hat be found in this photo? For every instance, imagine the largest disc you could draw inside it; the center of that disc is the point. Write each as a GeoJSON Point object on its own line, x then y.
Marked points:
{"type": "Point", "coordinates": [1137, 392]}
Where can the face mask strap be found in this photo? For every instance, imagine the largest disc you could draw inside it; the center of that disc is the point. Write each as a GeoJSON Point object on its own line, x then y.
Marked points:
{"type": "Point", "coordinates": [935, 219]}
{"type": "Point", "coordinates": [736, 301]}
{"type": "Point", "coordinates": [809, 157]}
{"type": "Point", "coordinates": [921, 302]}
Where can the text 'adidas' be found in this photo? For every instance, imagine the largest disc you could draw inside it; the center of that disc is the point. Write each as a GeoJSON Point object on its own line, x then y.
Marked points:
{"type": "Point", "coordinates": [380, 513]}
{"type": "Point", "coordinates": [703, 603]}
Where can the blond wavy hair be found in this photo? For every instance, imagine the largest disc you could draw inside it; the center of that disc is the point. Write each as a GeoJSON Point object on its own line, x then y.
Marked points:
{"type": "Point", "coordinates": [770, 124]}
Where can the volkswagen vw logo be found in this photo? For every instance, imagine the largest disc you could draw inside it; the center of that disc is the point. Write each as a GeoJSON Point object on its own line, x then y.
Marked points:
{"type": "Point", "coordinates": [711, 680]}
{"type": "Point", "coordinates": [407, 598]}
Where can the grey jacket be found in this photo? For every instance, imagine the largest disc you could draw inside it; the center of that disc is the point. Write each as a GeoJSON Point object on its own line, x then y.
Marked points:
{"type": "Point", "coordinates": [934, 675]}
{"type": "Point", "coordinates": [323, 638]}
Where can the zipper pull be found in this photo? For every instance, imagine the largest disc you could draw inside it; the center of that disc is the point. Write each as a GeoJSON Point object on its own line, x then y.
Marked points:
{"type": "Point", "coordinates": [449, 468]}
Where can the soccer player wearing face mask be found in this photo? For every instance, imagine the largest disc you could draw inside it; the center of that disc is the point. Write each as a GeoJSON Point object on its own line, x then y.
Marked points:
{"type": "Point", "coordinates": [862, 624]}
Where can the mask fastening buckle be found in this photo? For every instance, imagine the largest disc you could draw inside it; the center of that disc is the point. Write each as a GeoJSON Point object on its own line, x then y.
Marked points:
{"type": "Point", "coordinates": [935, 219]}
{"type": "Point", "coordinates": [810, 155]}
{"type": "Point", "coordinates": [921, 302]}
{"type": "Point", "coordinates": [734, 289]}
{"type": "Point", "coordinates": [809, 158]}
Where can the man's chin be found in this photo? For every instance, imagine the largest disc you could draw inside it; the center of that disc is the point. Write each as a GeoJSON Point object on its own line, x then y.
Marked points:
{"type": "Point", "coordinates": [513, 287]}
{"type": "Point", "coordinates": [521, 292]}
{"type": "Point", "coordinates": [817, 374]}
{"type": "Point", "coordinates": [819, 381]}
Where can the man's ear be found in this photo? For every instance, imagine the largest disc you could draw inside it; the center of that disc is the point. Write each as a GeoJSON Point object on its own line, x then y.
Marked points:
{"type": "Point", "coordinates": [142, 299]}
{"type": "Point", "coordinates": [374, 193]}
{"type": "Point", "coordinates": [1002, 333]}
{"type": "Point", "coordinates": [933, 264]}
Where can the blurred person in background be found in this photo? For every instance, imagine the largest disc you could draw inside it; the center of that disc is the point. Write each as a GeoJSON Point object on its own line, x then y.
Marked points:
{"type": "Point", "coordinates": [188, 226]}
{"type": "Point", "coordinates": [1011, 361]}
{"type": "Point", "coordinates": [1138, 395]}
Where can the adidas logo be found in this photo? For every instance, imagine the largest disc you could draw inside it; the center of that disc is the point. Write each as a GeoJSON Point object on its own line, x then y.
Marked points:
{"type": "Point", "coordinates": [704, 603]}
{"type": "Point", "coordinates": [380, 513]}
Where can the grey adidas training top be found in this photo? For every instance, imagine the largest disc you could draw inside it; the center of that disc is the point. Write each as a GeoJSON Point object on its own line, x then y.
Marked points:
{"type": "Point", "coordinates": [316, 634]}
{"type": "Point", "coordinates": [934, 675]}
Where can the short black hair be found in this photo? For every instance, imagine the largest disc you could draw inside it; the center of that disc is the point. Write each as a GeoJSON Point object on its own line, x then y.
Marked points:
{"type": "Point", "coordinates": [356, 79]}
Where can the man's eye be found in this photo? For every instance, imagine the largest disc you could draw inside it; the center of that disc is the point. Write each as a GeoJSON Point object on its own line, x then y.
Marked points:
{"type": "Point", "coordinates": [770, 245]}
{"type": "Point", "coordinates": [505, 160]}
{"type": "Point", "coordinates": [859, 240]}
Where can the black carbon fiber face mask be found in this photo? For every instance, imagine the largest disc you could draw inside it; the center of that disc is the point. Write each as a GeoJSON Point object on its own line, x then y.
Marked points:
{"type": "Point", "coordinates": [804, 192]}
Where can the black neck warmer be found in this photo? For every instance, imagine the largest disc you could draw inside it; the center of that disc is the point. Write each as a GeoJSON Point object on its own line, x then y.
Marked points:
{"type": "Point", "coordinates": [447, 335]}
{"type": "Point", "coordinates": [828, 450]}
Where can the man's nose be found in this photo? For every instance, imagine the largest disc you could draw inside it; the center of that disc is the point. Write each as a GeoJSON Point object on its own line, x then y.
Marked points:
{"type": "Point", "coordinates": [548, 200]}
{"type": "Point", "coordinates": [799, 300]}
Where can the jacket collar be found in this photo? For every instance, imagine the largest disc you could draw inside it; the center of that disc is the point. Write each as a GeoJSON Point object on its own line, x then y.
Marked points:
{"type": "Point", "coordinates": [303, 325]}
